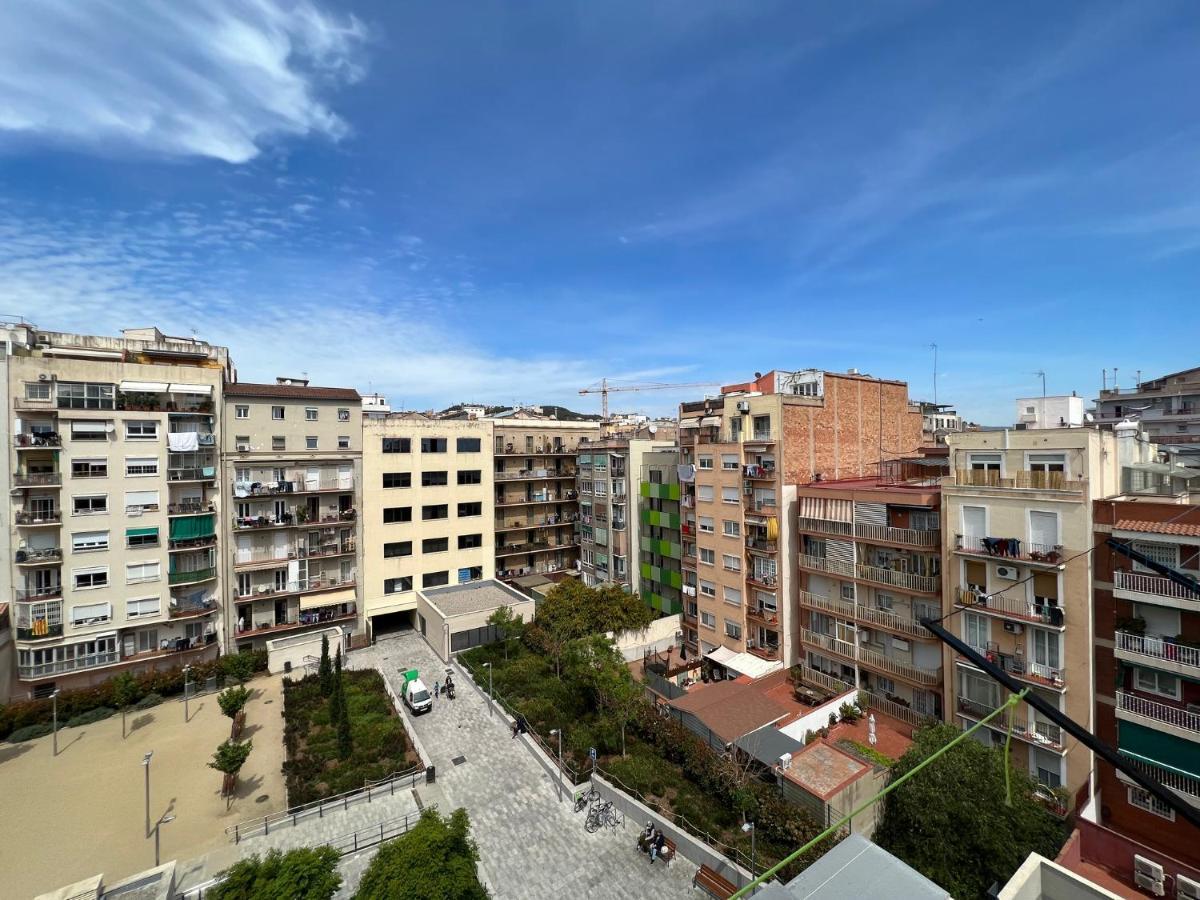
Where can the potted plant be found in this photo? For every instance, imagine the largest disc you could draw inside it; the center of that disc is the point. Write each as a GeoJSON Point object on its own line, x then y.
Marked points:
{"type": "Point", "coordinates": [1135, 625]}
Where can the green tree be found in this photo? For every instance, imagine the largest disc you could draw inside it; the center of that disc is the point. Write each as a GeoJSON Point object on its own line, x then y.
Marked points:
{"type": "Point", "coordinates": [436, 858]}
{"type": "Point", "coordinates": [962, 794]}
{"type": "Point", "coordinates": [238, 666]}
{"type": "Point", "coordinates": [573, 610]}
{"type": "Point", "coordinates": [342, 709]}
{"type": "Point", "coordinates": [229, 758]}
{"type": "Point", "coordinates": [124, 694]}
{"type": "Point", "coordinates": [308, 873]}
{"type": "Point", "coordinates": [233, 700]}
{"type": "Point", "coordinates": [325, 669]}
{"type": "Point", "coordinates": [595, 663]}
{"type": "Point", "coordinates": [508, 624]}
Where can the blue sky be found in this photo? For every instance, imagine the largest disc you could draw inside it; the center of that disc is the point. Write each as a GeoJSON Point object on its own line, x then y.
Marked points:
{"type": "Point", "coordinates": [506, 201]}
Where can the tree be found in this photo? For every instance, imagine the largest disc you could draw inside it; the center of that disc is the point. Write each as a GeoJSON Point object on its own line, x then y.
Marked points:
{"type": "Point", "coordinates": [596, 663]}
{"type": "Point", "coordinates": [436, 858]}
{"type": "Point", "coordinates": [573, 610]}
{"type": "Point", "coordinates": [324, 669]}
{"type": "Point", "coordinates": [307, 873]}
{"type": "Point", "coordinates": [233, 703]}
{"type": "Point", "coordinates": [228, 759]}
{"type": "Point", "coordinates": [508, 624]}
{"type": "Point", "coordinates": [342, 723]}
{"type": "Point", "coordinates": [124, 695]}
{"type": "Point", "coordinates": [238, 666]}
{"type": "Point", "coordinates": [962, 793]}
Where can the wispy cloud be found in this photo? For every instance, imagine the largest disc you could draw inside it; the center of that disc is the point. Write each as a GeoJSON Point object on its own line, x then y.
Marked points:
{"type": "Point", "coordinates": [213, 79]}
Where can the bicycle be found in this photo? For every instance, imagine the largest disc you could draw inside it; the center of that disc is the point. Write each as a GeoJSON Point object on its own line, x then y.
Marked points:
{"type": "Point", "coordinates": [603, 815]}
{"type": "Point", "coordinates": [586, 798]}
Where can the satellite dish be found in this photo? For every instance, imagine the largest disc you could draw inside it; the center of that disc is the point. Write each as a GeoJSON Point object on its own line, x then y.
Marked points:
{"type": "Point", "coordinates": [653, 429]}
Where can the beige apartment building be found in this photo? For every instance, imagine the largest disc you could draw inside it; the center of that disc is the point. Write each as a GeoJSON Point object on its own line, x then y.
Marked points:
{"type": "Point", "coordinates": [111, 526]}
{"type": "Point", "coordinates": [428, 519]}
{"type": "Point", "coordinates": [1017, 527]}
{"type": "Point", "coordinates": [748, 449]}
{"type": "Point", "coordinates": [536, 498]}
{"type": "Point", "coordinates": [293, 466]}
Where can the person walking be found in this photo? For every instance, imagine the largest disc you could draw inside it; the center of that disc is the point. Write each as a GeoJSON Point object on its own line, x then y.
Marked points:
{"type": "Point", "coordinates": [437, 686]}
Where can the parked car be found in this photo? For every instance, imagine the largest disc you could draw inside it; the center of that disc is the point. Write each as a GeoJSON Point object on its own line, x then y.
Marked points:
{"type": "Point", "coordinates": [417, 697]}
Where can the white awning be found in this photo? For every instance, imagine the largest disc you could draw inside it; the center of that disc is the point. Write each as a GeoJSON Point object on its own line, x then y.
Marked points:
{"type": "Point", "coordinates": [143, 387]}
{"type": "Point", "coordinates": [721, 655]}
{"type": "Point", "coordinates": [191, 389]}
{"type": "Point", "coordinates": [754, 666]}
{"type": "Point", "coordinates": [80, 351]}
{"type": "Point", "coordinates": [86, 427]}
{"type": "Point", "coordinates": [693, 422]}
{"type": "Point", "coordinates": [710, 422]}
{"type": "Point", "coordinates": [312, 601]}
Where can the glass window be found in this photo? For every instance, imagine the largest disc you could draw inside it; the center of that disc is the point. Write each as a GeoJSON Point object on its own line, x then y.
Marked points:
{"type": "Point", "coordinates": [707, 588]}
{"type": "Point", "coordinates": [707, 556]}
{"type": "Point", "coordinates": [434, 479]}
{"type": "Point", "coordinates": [705, 524]}
{"type": "Point", "coordinates": [343, 414]}
{"type": "Point", "coordinates": [470, 476]}
{"type": "Point", "coordinates": [343, 442]}
{"type": "Point", "coordinates": [278, 442]}
{"type": "Point", "coordinates": [395, 549]}
{"type": "Point", "coordinates": [470, 509]}
{"type": "Point", "coordinates": [730, 495]}
{"type": "Point", "coordinates": [397, 514]}
{"type": "Point", "coordinates": [136, 466]}
{"type": "Point", "coordinates": [277, 413]}
{"type": "Point", "coordinates": [1156, 682]}
{"type": "Point", "coordinates": [397, 445]}
{"type": "Point", "coordinates": [435, 511]}
{"type": "Point", "coordinates": [310, 414]}
{"type": "Point", "coordinates": [704, 462]}
{"type": "Point", "coordinates": [90, 578]}
{"type": "Point", "coordinates": [1046, 648]}
{"type": "Point", "coordinates": [435, 545]}
{"type": "Point", "coordinates": [732, 528]}
{"type": "Point", "coordinates": [433, 445]}
{"type": "Point", "coordinates": [975, 630]}
{"type": "Point", "coordinates": [241, 412]}
{"type": "Point", "coordinates": [78, 395]}
{"type": "Point", "coordinates": [729, 462]}
{"type": "Point", "coordinates": [435, 579]}
{"type": "Point", "coordinates": [397, 585]}
{"type": "Point", "coordinates": [37, 390]}
{"type": "Point", "coordinates": [84, 541]}
{"type": "Point", "coordinates": [733, 629]}
{"type": "Point", "coordinates": [467, 541]}
{"type": "Point", "coordinates": [310, 442]}
{"type": "Point", "coordinates": [708, 620]}
{"type": "Point", "coordinates": [94, 505]}
{"type": "Point", "coordinates": [704, 492]}
{"type": "Point", "coordinates": [89, 468]}
{"type": "Point", "coordinates": [397, 479]}
{"type": "Point", "coordinates": [141, 431]}
{"type": "Point", "coordinates": [731, 563]}
{"type": "Point", "coordinates": [733, 596]}
{"type": "Point", "coordinates": [467, 445]}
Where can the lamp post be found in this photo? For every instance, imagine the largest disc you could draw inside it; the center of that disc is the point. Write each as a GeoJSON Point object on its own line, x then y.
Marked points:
{"type": "Point", "coordinates": [749, 826]}
{"type": "Point", "coordinates": [491, 701]}
{"type": "Point", "coordinates": [157, 827]}
{"type": "Point", "coordinates": [187, 670]}
{"type": "Point", "coordinates": [558, 731]}
{"type": "Point", "coordinates": [54, 727]}
{"type": "Point", "coordinates": [146, 766]}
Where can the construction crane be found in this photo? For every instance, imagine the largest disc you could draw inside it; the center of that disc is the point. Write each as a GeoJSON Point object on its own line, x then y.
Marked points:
{"type": "Point", "coordinates": [604, 388]}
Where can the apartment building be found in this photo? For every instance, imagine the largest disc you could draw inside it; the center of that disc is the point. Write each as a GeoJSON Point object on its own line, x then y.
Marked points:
{"type": "Point", "coordinates": [870, 570]}
{"type": "Point", "coordinates": [536, 498]}
{"type": "Point", "coordinates": [293, 465]}
{"type": "Point", "coordinates": [607, 480]}
{"type": "Point", "coordinates": [1017, 525]}
{"type": "Point", "coordinates": [428, 519]}
{"type": "Point", "coordinates": [1148, 664]}
{"type": "Point", "coordinates": [750, 447]}
{"type": "Point", "coordinates": [112, 503]}
{"type": "Point", "coordinates": [660, 540]}
{"type": "Point", "coordinates": [1168, 407]}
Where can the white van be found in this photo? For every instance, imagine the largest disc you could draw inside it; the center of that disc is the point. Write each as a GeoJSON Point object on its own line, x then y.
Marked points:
{"type": "Point", "coordinates": [417, 696]}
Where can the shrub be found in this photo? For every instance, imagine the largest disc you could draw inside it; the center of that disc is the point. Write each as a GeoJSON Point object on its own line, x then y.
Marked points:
{"type": "Point", "coordinates": [148, 702]}
{"type": "Point", "coordinates": [435, 859]}
{"type": "Point", "coordinates": [232, 700]}
{"type": "Point", "coordinates": [92, 715]}
{"type": "Point", "coordinates": [307, 873]}
{"type": "Point", "coordinates": [29, 732]}
{"type": "Point", "coordinates": [849, 712]}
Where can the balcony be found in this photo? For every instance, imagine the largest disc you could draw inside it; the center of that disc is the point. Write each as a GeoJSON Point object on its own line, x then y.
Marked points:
{"type": "Point", "coordinates": [39, 517]}
{"type": "Point", "coordinates": [73, 664]}
{"type": "Point", "coordinates": [1010, 548]}
{"type": "Point", "coordinates": [194, 576]}
{"type": "Point", "coordinates": [38, 592]}
{"type": "Point", "coordinates": [759, 473]}
{"type": "Point", "coordinates": [536, 475]}
{"type": "Point", "coordinates": [768, 652]}
{"type": "Point", "coordinates": [532, 547]}
{"type": "Point", "coordinates": [1151, 589]}
{"type": "Point", "coordinates": [192, 473]}
{"type": "Point", "coordinates": [1159, 653]}
{"type": "Point", "coordinates": [761, 505]}
{"type": "Point", "coordinates": [46, 556]}
{"type": "Point", "coordinates": [39, 620]}
{"type": "Point", "coordinates": [1046, 735]}
{"type": "Point", "coordinates": [37, 440]}
{"type": "Point", "coordinates": [1184, 723]}
{"type": "Point", "coordinates": [283, 488]}
{"type": "Point", "coordinates": [764, 615]}
{"type": "Point", "coordinates": [825, 564]}
{"type": "Point", "coordinates": [1177, 780]}
{"type": "Point", "coordinates": [870, 658]}
{"type": "Point", "coordinates": [178, 545]}
{"type": "Point", "coordinates": [529, 501]}
{"type": "Point", "coordinates": [1000, 604]}
{"type": "Point", "coordinates": [550, 450]}
{"type": "Point", "coordinates": [758, 545]}
{"type": "Point", "coordinates": [923, 584]}
{"type": "Point", "coordinates": [762, 580]}
{"type": "Point", "coordinates": [826, 526]}
{"type": "Point", "coordinates": [913, 537]}
{"type": "Point", "coordinates": [756, 437]}
{"type": "Point", "coordinates": [182, 608]}
{"type": "Point", "coordinates": [1022, 481]}
{"type": "Point", "coordinates": [241, 523]}
{"type": "Point", "coordinates": [1019, 667]}
{"type": "Point", "coordinates": [37, 479]}
{"type": "Point", "coordinates": [191, 508]}
{"type": "Point", "coordinates": [881, 618]}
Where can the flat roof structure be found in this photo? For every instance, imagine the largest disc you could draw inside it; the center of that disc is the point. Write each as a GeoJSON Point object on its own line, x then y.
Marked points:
{"type": "Point", "coordinates": [476, 597]}
{"type": "Point", "coordinates": [854, 869]}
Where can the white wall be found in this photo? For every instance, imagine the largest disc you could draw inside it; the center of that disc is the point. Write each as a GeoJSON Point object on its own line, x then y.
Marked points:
{"type": "Point", "coordinates": [659, 635]}
{"type": "Point", "coordinates": [295, 648]}
{"type": "Point", "coordinates": [818, 718]}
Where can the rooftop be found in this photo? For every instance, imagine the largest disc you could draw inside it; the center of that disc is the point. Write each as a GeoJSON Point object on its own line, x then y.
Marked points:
{"type": "Point", "coordinates": [823, 770]}
{"type": "Point", "coordinates": [854, 869]}
{"type": "Point", "coordinates": [290, 391]}
{"type": "Point", "coordinates": [476, 597]}
{"type": "Point", "coordinates": [735, 708]}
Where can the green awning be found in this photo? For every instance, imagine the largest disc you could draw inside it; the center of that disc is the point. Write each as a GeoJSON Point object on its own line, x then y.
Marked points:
{"type": "Point", "coordinates": [141, 532]}
{"type": "Point", "coordinates": [187, 528]}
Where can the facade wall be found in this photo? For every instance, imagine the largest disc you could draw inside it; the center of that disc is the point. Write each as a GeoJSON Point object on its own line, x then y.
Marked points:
{"type": "Point", "coordinates": [403, 466]}
{"type": "Point", "coordinates": [659, 576]}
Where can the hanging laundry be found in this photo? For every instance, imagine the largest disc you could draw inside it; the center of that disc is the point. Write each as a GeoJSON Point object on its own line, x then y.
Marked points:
{"type": "Point", "coordinates": [183, 442]}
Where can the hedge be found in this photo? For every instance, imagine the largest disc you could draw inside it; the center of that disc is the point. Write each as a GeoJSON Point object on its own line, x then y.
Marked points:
{"type": "Point", "coordinates": [92, 715]}
{"type": "Point", "coordinates": [23, 713]}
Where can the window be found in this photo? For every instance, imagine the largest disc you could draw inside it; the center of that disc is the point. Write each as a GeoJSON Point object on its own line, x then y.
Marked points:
{"type": "Point", "coordinates": [397, 585]}
{"type": "Point", "coordinates": [310, 414]}
{"type": "Point", "coordinates": [708, 557]}
{"type": "Point", "coordinates": [1047, 462]}
{"type": "Point", "coordinates": [139, 466]}
{"type": "Point", "coordinates": [434, 479]}
{"type": "Point", "coordinates": [94, 505]}
{"type": "Point", "coordinates": [733, 629]}
{"type": "Point", "coordinates": [467, 445]}
{"type": "Point", "coordinates": [1156, 682]}
{"type": "Point", "coordinates": [242, 442]}
{"type": "Point", "coordinates": [469, 509]}
{"type": "Point", "coordinates": [137, 609]}
{"type": "Point", "coordinates": [395, 549]}
{"type": "Point", "coordinates": [310, 442]}
{"type": "Point", "coordinates": [731, 563]}
{"type": "Point", "coordinates": [435, 545]}
{"type": "Point", "coordinates": [984, 462]}
{"type": "Point", "coordinates": [433, 445]}
{"type": "Point", "coordinates": [397, 445]}
{"type": "Point", "coordinates": [343, 442]}
{"type": "Point", "coordinates": [704, 462]}
{"type": "Point", "coordinates": [397, 479]}
{"type": "Point", "coordinates": [140, 572]}
{"type": "Point", "coordinates": [705, 524]}
{"type": "Point", "coordinates": [975, 630]}
{"type": "Point", "coordinates": [731, 528]}
{"type": "Point", "coordinates": [1163, 554]}
{"type": "Point", "coordinates": [90, 431]}
{"type": "Point", "coordinates": [729, 462]}
{"type": "Point", "coordinates": [886, 603]}
{"type": "Point", "coordinates": [885, 684]}
{"type": "Point", "coordinates": [708, 620]}
{"type": "Point", "coordinates": [704, 492]}
{"type": "Point", "coordinates": [88, 541]}
{"type": "Point", "coordinates": [435, 579]}
{"type": "Point", "coordinates": [137, 502]}
{"type": "Point", "coordinates": [141, 537]}
{"type": "Point", "coordinates": [707, 588]}
{"type": "Point", "coordinates": [77, 395]}
{"type": "Point", "coordinates": [278, 442]}
{"type": "Point", "coordinates": [397, 514]}
{"type": "Point", "coordinates": [89, 468]}
{"type": "Point", "coordinates": [141, 431]}
{"type": "Point", "coordinates": [1046, 649]}
{"type": "Point", "coordinates": [277, 413]}
{"type": "Point", "coordinates": [241, 412]}
{"type": "Point", "coordinates": [435, 511]}
{"type": "Point", "coordinates": [733, 596]}
{"type": "Point", "coordinates": [85, 579]}
{"type": "Point", "coordinates": [1144, 800]}
{"type": "Point", "coordinates": [847, 591]}
{"type": "Point", "coordinates": [467, 541]}
{"type": "Point", "coordinates": [470, 476]}
{"type": "Point", "coordinates": [91, 613]}
{"type": "Point", "coordinates": [467, 574]}
{"type": "Point", "coordinates": [37, 390]}
{"type": "Point", "coordinates": [730, 495]}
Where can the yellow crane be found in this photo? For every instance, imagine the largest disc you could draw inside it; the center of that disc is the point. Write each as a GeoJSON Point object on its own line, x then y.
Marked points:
{"type": "Point", "coordinates": [603, 388]}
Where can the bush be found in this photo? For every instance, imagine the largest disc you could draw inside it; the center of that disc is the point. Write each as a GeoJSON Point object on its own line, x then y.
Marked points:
{"type": "Point", "coordinates": [29, 732]}
{"type": "Point", "coordinates": [435, 859]}
{"type": "Point", "coordinates": [92, 715]}
{"type": "Point", "coordinates": [148, 702]}
{"type": "Point", "coordinates": [308, 873]}
{"type": "Point", "coordinates": [849, 712]}
{"type": "Point", "coordinates": [232, 700]}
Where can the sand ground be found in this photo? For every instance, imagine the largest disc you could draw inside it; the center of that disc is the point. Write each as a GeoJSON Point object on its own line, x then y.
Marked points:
{"type": "Point", "coordinates": [83, 812]}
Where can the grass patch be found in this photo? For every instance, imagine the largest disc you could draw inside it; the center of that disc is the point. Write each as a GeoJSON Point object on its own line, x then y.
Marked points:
{"type": "Point", "coordinates": [867, 752]}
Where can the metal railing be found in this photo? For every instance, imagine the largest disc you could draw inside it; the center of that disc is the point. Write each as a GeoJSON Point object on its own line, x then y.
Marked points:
{"type": "Point", "coordinates": [881, 617]}
{"type": "Point", "coordinates": [929, 584]}
{"type": "Point", "coordinates": [1041, 734]}
{"type": "Point", "coordinates": [1174, 716]}
{"type": "Point", "coordinates": [39, 517]}
{"type": "Point", "coordinates": [898, 711]}
{"type": "Point", "coordinates": [73, 664]}
{"type": "Point", "coordinates": [1175, 779]}
{"type": "Point", "coordinates": [1022, 480]}
{"type": "Point", "coordinates": [37, 439]}
{"type": "Point", "coordinates": [193, 508]}
{"type": "Point", "coordinates": [826, 564]}
{"type": "Point", "coordinates": [37, 479]}
{"type": "Point", "coordinates": [761, 545]}
{"type": "Point", "coordinates": [826, 526]}
{"type": "Point", "coordinates": [192, 576]}
{"type": "Point", "coordinates": [1159, 649]}
{"type": "Point", "coordinates": [31, 556]}
{"type": "Point", "coordinates": [872, 658]}
{"type": "Point", "coordinates": [1010, 548]}
{"type": "Point", "coordinates": [38, 591]}
{"type": "Point", "coordinates": [534, 475]}
{"type": "Point", "coordinates": [1155, 585]}
{"type": "Point", "coordinates": [918, 537]}
{"type": "Point", "coordinates": [1012, 607]}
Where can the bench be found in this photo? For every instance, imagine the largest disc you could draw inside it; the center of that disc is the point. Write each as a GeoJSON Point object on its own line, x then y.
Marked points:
{"type": "Point", "coordinates": [713, 884]}
{"type": "Point", "coordinates": [668, 851]}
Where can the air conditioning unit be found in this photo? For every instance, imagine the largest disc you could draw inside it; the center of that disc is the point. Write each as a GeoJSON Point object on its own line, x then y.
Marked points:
{"type": "Point", "coordinates": [42, 376]}
{"type": "Point", "coordinates": [1149, 875]}
{"type": "Point", "coordinates": [743, 406]}
{"type": "Point", "coordinates": [1008, 572]}
{"type": "Point", "coordinates": [1186, 888]}
{"type": "Point", "coordinates": [1014, 627]}
{"type": "Point", "coordinates": [785, 761]}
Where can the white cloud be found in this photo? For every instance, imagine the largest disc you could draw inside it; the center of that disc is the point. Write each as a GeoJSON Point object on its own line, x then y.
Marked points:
{"type": "Point", "coordinates": [216, 79]}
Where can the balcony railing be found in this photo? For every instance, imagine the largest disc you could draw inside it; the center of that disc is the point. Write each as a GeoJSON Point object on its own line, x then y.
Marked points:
{"type": "Point", "coordinates": [1152, 585]}
{"type": "Point", "coordinates": [1041, 734]}
{"type": "Point", "coordinates": [762, 580]}
{"type": "Point", "coordinates": [39, 517]}
{"type": "Point", "coordinates": [868, 657]}
{"type": "Point", "coordinates": [1012, 607]}
{"type": "Point", "coordinates": [761, 473]}
{"type": "Point", "coordinates": [1010, 548]}
{"type": "Point", "coordinates": [757, 437]}
{"type": "Point", "coordinates": [1017, 664]}
{"type": "Point", "coordinates": [190, 508]}
{"type": "Point", "coordinates": [764, 614]}
{"type": "Point", "coordinates": [192, 577]}
{"type": "Point", "coordinates": [38, 620]}
{"type": "Point", "coordinates": [889, 707]}
{"type": "Point", "coordinates": [826, 526]}
{"type": "Point", "coordinates": [192, 473]}
{"type": "Point", "coordinates": [764, 505]}
{"type": "Point", "coordinates": [37, 439]}
{"type": "Point", "coordinates": [917, 537]}
{"type": "Point", "coordinates": [1174, 716]}
{"type": "Point", "coordinates": [1177, 780]}
{"type": "Point", "coordinates": [880, 617]}
{"type": "Point", "coordinates": [928, 584]}
{"type": "Point", "coordinates": [38, 557]}
{"type": "Point", "coordinates": [183, 608]}
{"type": "Point", "coordinates": [41, 591]}
{"type": "Point", "coordinates": [37, 479]}
{"type": "Point", "coordinates": [761, 545]}
{"type": "Point", "coordinates": [1156, 648]}
{"type": "Point", "coordinates": [825, 564]}
{"type": "Point", "coordinates": [74, 664]}
{"type": "Point", "coordinates": [535, 475]}
{"type": "Point", "coordinates": [1037, 481]}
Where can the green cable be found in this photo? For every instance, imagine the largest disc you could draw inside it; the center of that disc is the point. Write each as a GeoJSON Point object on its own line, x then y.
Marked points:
{"type": "Point", "coordinates": [1010, 703]}
{"type": "Point", "coordinates": [1008, 763]}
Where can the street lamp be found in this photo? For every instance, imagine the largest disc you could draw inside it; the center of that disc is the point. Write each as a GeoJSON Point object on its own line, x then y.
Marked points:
{"type": "Point", "coordinates": [54, 697]}
{"type": "Point", "coordinates": [146, 766]}
{"type": "Point", "coordinates": [186, 683]}
{"type": "Point", "coordinates": [558, 731]}
{"type": "Point", "coordinates": [749, 827]}
{"type": "Point", "coordinates": [157, 826]}
{"type": "Point", "coordinates": [491, 701]}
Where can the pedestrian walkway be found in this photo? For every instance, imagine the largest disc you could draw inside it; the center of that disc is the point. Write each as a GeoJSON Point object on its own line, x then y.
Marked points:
{"type": "Point", "coordinates": [531, 846]}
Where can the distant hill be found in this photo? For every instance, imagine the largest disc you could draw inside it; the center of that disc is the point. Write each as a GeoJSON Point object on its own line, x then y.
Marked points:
{"type": "Point", "coordinates": [561, 413]}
